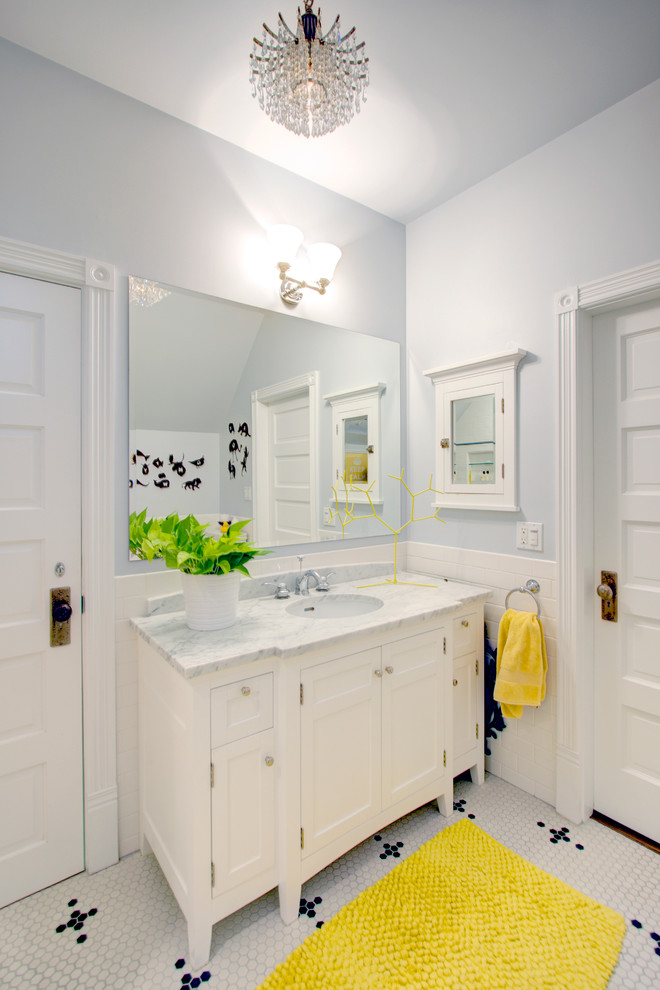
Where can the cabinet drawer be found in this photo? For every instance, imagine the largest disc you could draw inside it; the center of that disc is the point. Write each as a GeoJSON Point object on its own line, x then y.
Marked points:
{"type": "Point", "coordinates": [465, 634]}
{"type": "Point", "coordinates": [241, 709]}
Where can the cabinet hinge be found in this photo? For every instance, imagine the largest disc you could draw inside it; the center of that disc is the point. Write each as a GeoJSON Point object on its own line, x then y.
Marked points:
{"type": "Point", "coordinates": [212, 776]}
{"type": "Point", "coordinates": [502, 470]}
{"type": "Point", "coordinates": [502, 405]}
{"type": "Point", "coordinates": [301, 694]}
{"type": "Point", "coordinates": [213, 874]}
{"type": "Point", "coordinates": [82, 604]}
{"type": "Point", "coordinates": [444, 757]}
{"type": "Point", "coordinates": [302, 838]}
{"type": "Point", "coordinates": [444, 644]}
{"type": "Point", "coordinates": [476, 667]}
{"type": "Point", "coordinates": [477, 729]}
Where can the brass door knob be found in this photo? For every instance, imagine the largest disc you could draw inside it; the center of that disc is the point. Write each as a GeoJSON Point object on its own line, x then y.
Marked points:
{"type": "Point", "coordinates": [604, 591]}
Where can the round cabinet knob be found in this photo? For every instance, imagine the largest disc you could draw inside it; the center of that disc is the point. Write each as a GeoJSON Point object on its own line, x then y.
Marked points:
{"type": "Point", "coordinates": [378, 673]}
{"type": "Point", "coordinates": [464, 622]}
{"type": "Point", "coordinates": [455, 682]}
{"type": "Point", "coordinates": [245, 690]}
{"type": "Point", "coordinates": [604, 591]}
{"type": "Point", "coordinates": [269, 761]}
{"type": "Point", "coordinates": [389, 670]}
{"type": "Point", "coordinates": [62, 612]}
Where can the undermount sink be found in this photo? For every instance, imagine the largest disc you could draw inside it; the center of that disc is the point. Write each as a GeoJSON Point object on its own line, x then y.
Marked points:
{"type": "Point", "coordinates": [316, 606]}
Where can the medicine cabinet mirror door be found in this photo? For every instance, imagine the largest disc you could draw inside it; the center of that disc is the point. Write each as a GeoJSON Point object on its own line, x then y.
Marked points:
{"type": "Point", "coordinates": [476, 424]}
{"type": "Point", "coordinates": [474, 457]}
{"type": "Point", "coordinates": [356, 437]}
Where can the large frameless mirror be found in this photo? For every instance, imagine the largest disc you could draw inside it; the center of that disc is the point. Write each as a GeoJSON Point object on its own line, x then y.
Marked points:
{"type": "Point", "coordinates": [231, 416]}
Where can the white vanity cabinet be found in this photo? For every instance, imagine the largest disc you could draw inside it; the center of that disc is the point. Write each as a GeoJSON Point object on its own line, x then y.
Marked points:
{"type": "Point", "coordinates": [259, 769]}
{"type": "Point", "coordinates": [468, 694]}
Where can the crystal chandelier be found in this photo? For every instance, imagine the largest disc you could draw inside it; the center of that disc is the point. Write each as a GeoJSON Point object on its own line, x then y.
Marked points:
{"type": "Point", "coordinates": [144, 293]}
{"type": "Point", "coordinates": [309, 82]}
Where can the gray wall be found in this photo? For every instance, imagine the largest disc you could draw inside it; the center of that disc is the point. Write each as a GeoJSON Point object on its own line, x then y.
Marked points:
{"type": "Point", "coordinates": [87, 170]}
{"type": "Point", "coordinates": [483, 271]}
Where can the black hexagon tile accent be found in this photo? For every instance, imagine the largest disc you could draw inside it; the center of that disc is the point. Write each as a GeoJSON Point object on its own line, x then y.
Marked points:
{"type": "Point", "coordinates": [76, 920]}
{"type": "Point", "coordinates": [188, 980]}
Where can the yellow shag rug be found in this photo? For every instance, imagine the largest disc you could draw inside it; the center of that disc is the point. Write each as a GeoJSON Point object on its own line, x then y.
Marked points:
{"type": "Point", "coordinates": [463, 912]}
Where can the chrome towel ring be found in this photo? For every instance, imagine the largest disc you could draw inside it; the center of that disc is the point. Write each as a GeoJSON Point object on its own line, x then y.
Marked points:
{"type": "Point", "coordinates": [530, 588]}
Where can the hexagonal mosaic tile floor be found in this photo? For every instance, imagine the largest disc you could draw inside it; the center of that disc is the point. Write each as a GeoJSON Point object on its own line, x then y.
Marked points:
{"type": "Point", "coordinates": [122, 929]}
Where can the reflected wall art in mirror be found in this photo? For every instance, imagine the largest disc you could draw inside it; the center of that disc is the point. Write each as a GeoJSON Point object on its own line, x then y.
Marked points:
{"type": "Point", "coordinates": [231, 415]}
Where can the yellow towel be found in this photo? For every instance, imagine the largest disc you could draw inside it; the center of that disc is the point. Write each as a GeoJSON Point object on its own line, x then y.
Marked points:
{"type": "Point", "coordinates": [521, 662]}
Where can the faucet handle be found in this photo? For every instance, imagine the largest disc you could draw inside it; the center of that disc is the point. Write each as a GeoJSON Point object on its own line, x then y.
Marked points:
{"type": "Point", "coordinates": [323, 583]}
{"type": "Point", "coordinates": [282, 590]}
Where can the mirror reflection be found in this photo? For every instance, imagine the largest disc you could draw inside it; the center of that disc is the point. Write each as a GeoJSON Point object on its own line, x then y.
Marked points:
{"type": "Point", "coordinates": [473, 436]}
{"type": "Point", "coordinates": [229, 416]}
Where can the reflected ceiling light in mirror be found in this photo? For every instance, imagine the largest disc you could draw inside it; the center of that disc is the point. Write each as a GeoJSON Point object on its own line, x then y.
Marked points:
{"type": "Point", "coordinates": [309, 82]}
{"type": "Point", "coordinates": [144, 293]}
{"type": "Point", "coordinates": [322, 259]}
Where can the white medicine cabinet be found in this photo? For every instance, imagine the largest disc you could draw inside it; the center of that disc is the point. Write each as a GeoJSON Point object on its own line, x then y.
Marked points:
{"type": "Point", "coordinates": [475, 424]}
{"type": "Point", "coordinates": [356, 441]}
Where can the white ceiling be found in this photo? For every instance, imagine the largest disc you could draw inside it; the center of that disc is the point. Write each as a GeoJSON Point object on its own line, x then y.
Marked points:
{"type": "Point", "coordinates": [459, 88]}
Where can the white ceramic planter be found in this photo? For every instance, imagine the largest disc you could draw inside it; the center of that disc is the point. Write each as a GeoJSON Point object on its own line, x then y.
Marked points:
{"type": "Point", "coordinates": [210, 600]}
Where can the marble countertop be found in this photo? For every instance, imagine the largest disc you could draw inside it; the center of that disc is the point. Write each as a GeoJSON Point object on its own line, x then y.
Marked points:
{"type": "Point", "coordinates": [264, 628]}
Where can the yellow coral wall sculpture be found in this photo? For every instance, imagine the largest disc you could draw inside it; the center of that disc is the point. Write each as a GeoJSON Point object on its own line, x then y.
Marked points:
{"type": "Point", "coordinates": [346, 515]}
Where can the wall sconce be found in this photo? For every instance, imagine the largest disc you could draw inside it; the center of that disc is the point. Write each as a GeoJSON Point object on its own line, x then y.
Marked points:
{"type": "Point", "coordinates": [321, 260]}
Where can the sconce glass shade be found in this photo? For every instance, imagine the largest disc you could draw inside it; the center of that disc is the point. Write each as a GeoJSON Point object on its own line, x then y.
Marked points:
{"type": "Point", "coordinates": [323, 260]}
{"type": "Point", "coordinates": [284, 241]}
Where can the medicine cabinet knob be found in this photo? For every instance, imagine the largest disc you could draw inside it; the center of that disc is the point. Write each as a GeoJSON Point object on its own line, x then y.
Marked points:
{"type": "Point", "coordinates": [245, 690]}
{"type": "Point", "coordinates": [269, 761]}
{"type": "Point", "coordinates": [378, 673]}
{"type": "Point", "coordinates": [464, 622]}
{"type": "Point", "coordinates": [455, 682]}
{"type": "Point", "coordinates": [62, 612]}
{"type": "Point", "coordinates": [389, 670]}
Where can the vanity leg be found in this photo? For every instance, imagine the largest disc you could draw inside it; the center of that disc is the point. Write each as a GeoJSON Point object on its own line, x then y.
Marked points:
{"type": "Point", "coordinates": [446, 803]}
{"type": "Point", "coordinates": [477, 773]}
{"type": "Point", "coordinates": [199, 943]}
{"type": "Point", "coordinates": [289, 895]}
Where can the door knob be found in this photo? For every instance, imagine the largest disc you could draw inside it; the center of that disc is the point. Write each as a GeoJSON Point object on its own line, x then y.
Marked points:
{"type": "Point", "coordinates": [62, 611]}
{"type": "Point", "coordinates": [606, 591]}
{"type": "Point", "coordinates": [60, 616]}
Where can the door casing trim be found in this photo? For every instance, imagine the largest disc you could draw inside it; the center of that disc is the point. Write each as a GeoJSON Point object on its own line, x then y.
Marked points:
{"type": "Point", "coordinates": [575, 309]}
{"type": "Point", "coordinates": [96, 280]}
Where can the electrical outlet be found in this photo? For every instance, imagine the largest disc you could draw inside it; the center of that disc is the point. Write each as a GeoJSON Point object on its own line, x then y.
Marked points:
{"type": "Point", "coordinates": [327, 518]}
{"type": "Point", "coordinates": [529, 536]}
{"type": "Point", "coordinates": [247, 493]}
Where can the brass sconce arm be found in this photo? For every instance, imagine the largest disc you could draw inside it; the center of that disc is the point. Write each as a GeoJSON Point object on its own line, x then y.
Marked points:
{"type": "Point", "coordinates": [291, 288]}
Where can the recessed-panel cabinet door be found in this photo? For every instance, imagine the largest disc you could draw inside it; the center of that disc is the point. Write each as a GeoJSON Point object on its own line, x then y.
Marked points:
{"type": "Point", "coordinates": [243, 810]}
{"type": "Point", "coordinates": [414, 715]}
{"type": "Point", "coordinates": [340, 747]}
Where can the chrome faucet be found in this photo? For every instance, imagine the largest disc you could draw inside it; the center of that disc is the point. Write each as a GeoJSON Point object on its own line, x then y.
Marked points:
{"type": "Point", "coordinates": [302, 582]}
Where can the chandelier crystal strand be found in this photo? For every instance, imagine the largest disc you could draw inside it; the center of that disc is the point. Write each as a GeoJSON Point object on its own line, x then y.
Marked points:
{"type": "Point", "coordinates": [309, 82]}
{"type": "Point", "coordinates": [144, 293]}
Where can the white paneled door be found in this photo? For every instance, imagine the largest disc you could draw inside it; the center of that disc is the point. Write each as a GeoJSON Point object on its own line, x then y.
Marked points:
{"type": "Point", "coordinates": [627, 542]}
{"type": "Point", "coordinates": [41, 814]}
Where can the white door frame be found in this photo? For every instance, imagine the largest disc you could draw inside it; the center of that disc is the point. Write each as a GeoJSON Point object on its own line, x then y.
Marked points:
{"type": "Point", "coordinates": [262, 398]}
{"type": "Point", "coordinates": [96, 280]}
{"type": "Point", "coordinates": [575, 309]}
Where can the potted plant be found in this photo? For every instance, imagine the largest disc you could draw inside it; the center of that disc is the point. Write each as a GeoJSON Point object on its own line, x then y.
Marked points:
{"type": "Point", "coordinates": [210, 565]}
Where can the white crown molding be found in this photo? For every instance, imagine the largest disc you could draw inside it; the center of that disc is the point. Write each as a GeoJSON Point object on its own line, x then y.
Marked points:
{"type": "Point", "coordinates": [491, 362]}
{"type": "Point", "coordinates": [96, 280]}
